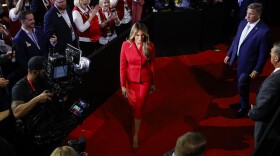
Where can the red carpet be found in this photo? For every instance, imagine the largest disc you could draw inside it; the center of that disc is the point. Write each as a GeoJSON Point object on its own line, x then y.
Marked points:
{"type": "Point", "coordinates": [193, 93]}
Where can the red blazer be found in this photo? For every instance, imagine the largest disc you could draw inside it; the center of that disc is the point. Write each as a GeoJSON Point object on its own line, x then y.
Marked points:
{"type": "Point", "coordinates": [133, 64]}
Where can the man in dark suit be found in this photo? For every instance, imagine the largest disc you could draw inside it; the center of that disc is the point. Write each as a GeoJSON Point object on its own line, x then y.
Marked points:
{"type": "Point", "coordinates": [250, 48]}
{"type": "Point", "coordinates": [30, 41]}
{"type": "Point", "coordinates": [268, 99]}
{"type": "Point", "coordinates": [59, 21]}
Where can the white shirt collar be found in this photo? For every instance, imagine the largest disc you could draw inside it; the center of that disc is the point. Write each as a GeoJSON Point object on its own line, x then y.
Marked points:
{"type": "Point", "coordinates": [27, 32]}
{"type": "Point", "coordinates": [253, 24]}
{"type": "Point", "coordinates": [276, 69]}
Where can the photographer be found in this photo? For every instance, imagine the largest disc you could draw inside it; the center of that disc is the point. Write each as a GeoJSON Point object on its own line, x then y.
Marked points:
{"type": "Point", "coordinates": [24, 98]}
{"type": "Point", "coordinates": [30, 100]}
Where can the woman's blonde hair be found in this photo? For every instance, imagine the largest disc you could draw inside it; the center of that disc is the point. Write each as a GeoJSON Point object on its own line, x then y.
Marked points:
{"type": "Point", "coordinates": [101, 3]}
{"type": "Point", "coordinates": [77, 3]}
{"type": "Point", "coordinates": [64, 151]}
{"type": "Point", "coordinates": [146, 43]}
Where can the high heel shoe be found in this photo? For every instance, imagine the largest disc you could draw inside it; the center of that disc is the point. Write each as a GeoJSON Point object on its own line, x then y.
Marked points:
{"type": "Point", "coordinates": [135, 143]}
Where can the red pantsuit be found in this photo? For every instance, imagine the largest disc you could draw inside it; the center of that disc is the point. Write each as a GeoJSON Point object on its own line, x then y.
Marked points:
{"type": "Point", "coordinates": [137, 75]}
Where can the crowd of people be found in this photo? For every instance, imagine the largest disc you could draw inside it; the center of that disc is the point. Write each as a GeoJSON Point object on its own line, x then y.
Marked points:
{"type": "Point", "coordinates": [33, 29]}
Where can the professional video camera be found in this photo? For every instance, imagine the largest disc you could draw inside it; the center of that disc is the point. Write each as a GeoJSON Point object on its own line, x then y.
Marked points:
{"type": "Point", "coordinates": [63, 71]}
{"type": "Point", "coordinates": [79, 145]}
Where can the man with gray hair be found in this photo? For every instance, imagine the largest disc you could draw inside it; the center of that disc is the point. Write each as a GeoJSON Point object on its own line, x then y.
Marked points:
{"type": "Point", "coordinates": [250, 49]}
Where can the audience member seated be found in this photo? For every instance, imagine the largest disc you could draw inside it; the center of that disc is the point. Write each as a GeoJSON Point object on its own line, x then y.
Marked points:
{"type": "Point", "coordinates": [30, 41]}
{"type": "Point", "coordinates": [189, 144]}
{"type": "Point", "coordinates": [88, 28]}
{"type": "Point", "coordinates": [108, 19]}
{"type": "Point", "coordinates": [58, 21]}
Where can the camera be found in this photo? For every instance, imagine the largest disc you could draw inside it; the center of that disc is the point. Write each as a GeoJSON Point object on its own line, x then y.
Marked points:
{"type": "Point", "coordinates": [79, 145]}
{"type": "Point", "coordinates": [64, 71]}
{"type": "Point", "coordinates": [79, 108]}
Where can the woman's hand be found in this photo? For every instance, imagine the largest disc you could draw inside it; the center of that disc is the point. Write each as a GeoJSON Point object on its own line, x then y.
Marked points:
{"type": "Point", "coordinates": [124, 92]}
{"type": "Point", "coordinates": [153, 89]}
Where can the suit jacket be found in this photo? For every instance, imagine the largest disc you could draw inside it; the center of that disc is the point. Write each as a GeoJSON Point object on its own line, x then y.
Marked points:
{"type": "Point", "coordinates": [254, 50]}
{"type": "Point", "coordinates": [133, 64]}
{"type": "Point", "coordinates": [25, 48]}
{"type": "Point", "coordinates": [54, 23]}
{"type": "Point", "coordinates": [267, 103]}
{"type": "Point", "coordinates": [39, 10]}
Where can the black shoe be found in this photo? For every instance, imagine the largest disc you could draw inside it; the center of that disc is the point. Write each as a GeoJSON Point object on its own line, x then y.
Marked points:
{"type": "Point", "coordinates": [234, 106]}
{"type": "Point", "coordinates": [242, 113]}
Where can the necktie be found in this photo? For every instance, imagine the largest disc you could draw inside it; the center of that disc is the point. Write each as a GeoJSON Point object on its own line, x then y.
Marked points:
{"type": "Point", "coordinates": [243, 36]}
{"type": "Point", "coordinates": [34, 38]}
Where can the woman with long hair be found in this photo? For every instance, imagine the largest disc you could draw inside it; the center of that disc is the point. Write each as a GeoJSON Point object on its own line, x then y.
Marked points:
{"type": "Point", "coordinates": [137, 73]}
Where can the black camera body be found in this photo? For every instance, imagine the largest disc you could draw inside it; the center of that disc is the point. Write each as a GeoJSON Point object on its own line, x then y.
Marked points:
{"type": "Point", "coordinates": [61, 70]}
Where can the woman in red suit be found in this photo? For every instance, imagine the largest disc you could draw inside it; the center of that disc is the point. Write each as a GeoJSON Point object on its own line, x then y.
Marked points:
{"type": "Point", "coordinates": [137, 70]}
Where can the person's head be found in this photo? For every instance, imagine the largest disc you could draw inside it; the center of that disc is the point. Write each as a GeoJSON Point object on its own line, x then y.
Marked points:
{"type": "Point", "coordinates": [275, 54]}
{"type": "Point", "coordinates": [104, 4]}
{"type": "Point", "coordinates": [64, 151]}
{"type": "Point", "coordinates": [254, 12]}
{"type": "Point", "coordinates": [27, 19]}
{"type": "Point", "coordinates": [190, 144]}
{"type": "Point", "coordinates": [36, 68]}
{"type": "Point", "coordinates": [81, 3]}
{"type": "Point", "coordinates": [139, 33]}
{"type": "Point", "coordinates": [60, 4]}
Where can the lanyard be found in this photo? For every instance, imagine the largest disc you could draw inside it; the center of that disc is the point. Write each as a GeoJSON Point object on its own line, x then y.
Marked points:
{"type": "Point", "coordinates": [31, 85]}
